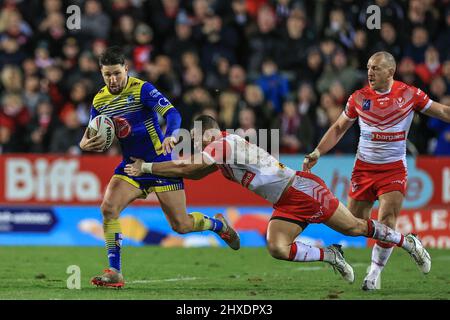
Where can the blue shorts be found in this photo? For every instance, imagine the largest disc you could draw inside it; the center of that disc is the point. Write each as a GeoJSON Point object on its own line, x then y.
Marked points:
{"type": "Point", "coordinates": [149, 183]}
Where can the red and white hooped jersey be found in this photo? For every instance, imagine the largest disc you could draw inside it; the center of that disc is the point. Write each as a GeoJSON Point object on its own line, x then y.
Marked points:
{"type": "Point", "coordinates": [250, 166]}
{"type": "Point", "coordinates": [384, 120]}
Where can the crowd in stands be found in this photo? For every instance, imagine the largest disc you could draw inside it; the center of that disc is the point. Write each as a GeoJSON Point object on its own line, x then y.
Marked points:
{"type": "Point", "coordinates": [285, 64]}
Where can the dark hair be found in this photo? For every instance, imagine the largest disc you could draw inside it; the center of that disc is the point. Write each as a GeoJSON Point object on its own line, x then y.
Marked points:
{"type": "Point", "coordinates": [111, 56]}
{"type": "Point", "coordinates": [208, 122]}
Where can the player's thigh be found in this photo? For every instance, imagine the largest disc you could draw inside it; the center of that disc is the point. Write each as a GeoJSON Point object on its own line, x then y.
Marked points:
{"type": "Point", "coordinates": [119, 194]}
{"type": "Point", "coordinates": [173, 204]}
{"type": "Point", "coordinates": [360, 208]}
{"type": "Point", "coordinates": [345, 222]}
{"type": "Point", "coordinates": [280, 235]}
{"type": "Point", "coordinates": [390, 207]}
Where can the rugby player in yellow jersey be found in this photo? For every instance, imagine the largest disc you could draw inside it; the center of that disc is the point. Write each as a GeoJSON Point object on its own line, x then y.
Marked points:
{"type": "Point", "coordinates": [133, 105]}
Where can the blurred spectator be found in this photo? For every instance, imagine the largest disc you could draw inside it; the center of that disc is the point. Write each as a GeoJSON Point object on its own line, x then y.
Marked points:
{"type": "Point", "coordinates": [78, 102]}
{"type": "Point", "coordinates": [237, 79]}
{"type": "Point", "coordinates": [389, 41]}
{"type": "Point", "coordinates": [264, 42]}
{"type": "Point", "coordinates": [406, 71]}
{"type": "Point", "coordinates": [228, 102]}
{"type": "Point", "coordinates": [41, 127]}
{"type": "Point", "coordinates": [32, 94]}
{"type": "Point", "coordinates": [297, 39]}
{"type": "Point", "coordinates": [70, 52]}
{"type": "Point", "coordinates": [143, 49]}
{"type": "Point", "coordinates": [419, 15]}
{"type": "Point", "coordinates": [431, 68]}
{"type": "Point", "coordinates": [306, 100]}
{"type": "Point", "coordinates": [123, 33]}
{"type": "Point", "coordinates": [360, 53]}
{"type": "Point", "coordinates": [437, 89]}
{"type": "Point", "coordinates": [446, 75]}
{"type": "Point", "coordinates": [52, 32]}
{"type": "Point", "coordinates": [328, 113]}
{"type": "Point", "coordinates": [246, 126]}
{"type": "Point", "coordinates": [217, 79]}
{"type": "Point", "coordinates": [314, 67]}
{"type": "Point", "coordinates": [162, 75]}
{"type": "Point", "coordinates": [163, 15]}
{"type": "Point", "coordinates": [182, 41]}
{"type": "Point", "coordinates": [442, 129]}
{"type": "Point", "coordinates": [419, 43]}
{"type": "Point", "coordinates": [339, 29]}
{"type": "Point", "coordinates": [443, 38]}
{"type": "Point", "coordinates": [339, 71]}
{"type": "Point", "coordinates": [273, 84]}
{"type": "Point", "coordinates": [11, 79]}
{"type": "Point", "coordinates": [240, 21]}
{"type": "Point", "coordinates": [29, 67]}
{"type": "Point", "coordinates": [296, 131]}
{"type": "Point", "coordinates": [10, 52]}
{"type": "Point", "coordinates": [65, 138]}
{"type": "Point", "coordinates": [14, 117]}
{"type": "Point", "coordinates": [216, 41]}
{"type": "Point", "coordinates": [253, 99]}
{"type": "Point", "coordinates": [96, 23]}
{"type": "Point", "coordinates": [194, 101]}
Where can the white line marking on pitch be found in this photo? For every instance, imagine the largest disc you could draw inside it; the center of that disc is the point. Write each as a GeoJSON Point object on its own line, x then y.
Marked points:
{"type": "Point", "coordinates": [163, 280]}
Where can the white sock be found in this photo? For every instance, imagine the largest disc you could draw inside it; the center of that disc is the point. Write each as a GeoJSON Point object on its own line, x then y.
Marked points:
{"type": "Point", "coordinates": [380, 257]}
{"type": "Point", "coordinates": [383, 233]}
{"type": "Point", "coordinates": [302, 252]}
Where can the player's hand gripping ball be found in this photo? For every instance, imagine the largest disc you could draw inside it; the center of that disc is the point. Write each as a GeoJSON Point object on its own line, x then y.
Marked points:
{"type": "Point", "coordinates": [102, 126]}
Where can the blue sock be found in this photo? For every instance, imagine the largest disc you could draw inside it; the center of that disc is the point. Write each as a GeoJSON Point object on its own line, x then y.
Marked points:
{"type": "Point", "coordinates": [114, 252]}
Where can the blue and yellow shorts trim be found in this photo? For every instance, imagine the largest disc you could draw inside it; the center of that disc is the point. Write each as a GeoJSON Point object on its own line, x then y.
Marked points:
{"type": "Point", "coordinates": [149, 183]}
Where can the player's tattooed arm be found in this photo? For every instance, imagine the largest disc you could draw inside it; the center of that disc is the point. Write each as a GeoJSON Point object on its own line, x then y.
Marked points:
{"type": "Point", "coordinates": [176, 168]}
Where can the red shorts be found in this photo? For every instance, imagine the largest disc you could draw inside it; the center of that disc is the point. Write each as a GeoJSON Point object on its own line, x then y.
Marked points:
{"type": "Point", "coordinates": [370, 180]}
{"type": "Point", "coordinates": [307, 200]}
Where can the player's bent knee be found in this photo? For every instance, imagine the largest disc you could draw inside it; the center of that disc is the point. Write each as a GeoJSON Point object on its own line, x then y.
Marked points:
{"type": "Point", "coordinates": [277, 251]}
{"type": "Point", "coordinates": [109, 211]}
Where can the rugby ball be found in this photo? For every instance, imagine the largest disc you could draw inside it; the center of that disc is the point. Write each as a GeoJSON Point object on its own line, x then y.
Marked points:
{"type": "Point", "coordinates": [102, 125]}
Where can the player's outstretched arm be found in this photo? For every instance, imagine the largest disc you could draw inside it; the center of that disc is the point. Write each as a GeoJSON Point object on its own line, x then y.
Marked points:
{"type": "Point", "coordinates": [329, 140]}
{"type": "Point", "coordinates": [174, 168]}
{"type": "Point", "coordinates": [439, 110]}
{"type": "Point", "coordinates": [94, 144]}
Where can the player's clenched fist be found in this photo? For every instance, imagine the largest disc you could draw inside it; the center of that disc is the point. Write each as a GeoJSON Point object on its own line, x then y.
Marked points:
{"type": "Point", "coordinates": [310, 160]}
{"type": "Point", "coordinates": [134, 169]}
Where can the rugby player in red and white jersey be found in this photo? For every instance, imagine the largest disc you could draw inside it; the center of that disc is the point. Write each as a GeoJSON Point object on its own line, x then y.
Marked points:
{"type": "Point", "coordinates": [298, 198]}
{"type": "Point", "coordinates": [384, 109]}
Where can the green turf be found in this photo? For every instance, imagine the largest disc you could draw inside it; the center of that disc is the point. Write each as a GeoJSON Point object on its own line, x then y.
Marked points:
{"type": "Point", "coordinates": [211, 273]}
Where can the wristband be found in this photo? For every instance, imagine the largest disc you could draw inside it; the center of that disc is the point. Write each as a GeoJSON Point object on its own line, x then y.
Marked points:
{"type": "Point", "coordinates": [146, 167]}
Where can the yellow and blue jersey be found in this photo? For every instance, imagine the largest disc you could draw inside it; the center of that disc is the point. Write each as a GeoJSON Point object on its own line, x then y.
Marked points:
{"type": "Point", "coordinates": [134, 112]}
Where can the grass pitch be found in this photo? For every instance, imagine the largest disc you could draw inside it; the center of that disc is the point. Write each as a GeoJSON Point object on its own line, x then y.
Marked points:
{"type": "Point", "coordinates": [212, 273]}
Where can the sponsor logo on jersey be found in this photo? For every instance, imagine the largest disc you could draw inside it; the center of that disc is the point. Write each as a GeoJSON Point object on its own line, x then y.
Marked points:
{"type": "Point", "coordinates": [388, 136]}
{"type": "Point", "coordinates": [366, 104]}
{"type": "Point", "coordinates": [400, 101]}
{"type": "Point", "coordinates": [154, 93]}
{"type": "Point", "coordinates": [123, 127]}
{"type": "Point", "coordinates": [163, 102]}
{"type": "Point", "coordinates": [130, 99]}
{"type": "Point", "coordinates": [247, 178]}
